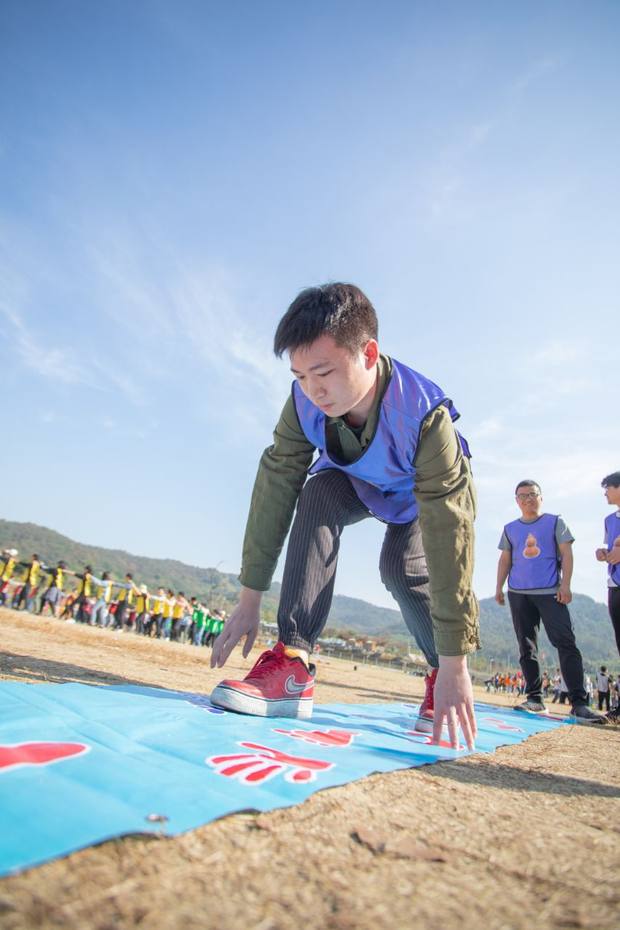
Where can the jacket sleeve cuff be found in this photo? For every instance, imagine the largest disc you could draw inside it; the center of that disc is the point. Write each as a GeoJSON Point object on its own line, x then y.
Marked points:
{"type": "Point", "coordinates": [463, 644]}
{"type": "Point", "coordinates": [255, 580]}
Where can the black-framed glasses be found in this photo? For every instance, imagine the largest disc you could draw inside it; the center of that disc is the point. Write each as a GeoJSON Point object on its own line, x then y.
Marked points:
{"type": "Point", "coordinates": [531, 495]}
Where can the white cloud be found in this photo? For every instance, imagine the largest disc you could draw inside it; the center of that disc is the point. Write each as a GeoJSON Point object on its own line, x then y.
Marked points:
{"type": "Point", "coordinates": [47, 361]}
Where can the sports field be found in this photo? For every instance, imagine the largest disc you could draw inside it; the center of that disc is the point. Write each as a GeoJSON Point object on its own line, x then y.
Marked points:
{"type": "Point", "coordinates": [527, 837]}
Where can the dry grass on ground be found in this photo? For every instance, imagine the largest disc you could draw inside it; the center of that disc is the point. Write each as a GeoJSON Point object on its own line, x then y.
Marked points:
{"type": "Point", "coordinates": [527, 837]}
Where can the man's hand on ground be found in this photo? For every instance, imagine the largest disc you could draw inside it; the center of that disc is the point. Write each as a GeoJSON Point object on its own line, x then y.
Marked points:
{"type": "Point", "coordinates": [454, 701]}
{"type": "Point", "coordinates": [243, 621]}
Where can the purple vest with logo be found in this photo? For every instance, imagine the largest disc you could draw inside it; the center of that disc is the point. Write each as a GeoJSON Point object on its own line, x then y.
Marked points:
{"type": "Point", "coordinates": [384, 475]}
{"type": "Point", "coordinates": [535, 561]}
{"type": "Point", "coordinates": [612, 532]}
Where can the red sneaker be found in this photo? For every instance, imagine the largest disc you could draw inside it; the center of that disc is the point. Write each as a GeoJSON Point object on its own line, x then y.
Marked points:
{"type": "Point", "coordinates": [277, 686]}
{"type": "Point", "coordinates": [424, 723]}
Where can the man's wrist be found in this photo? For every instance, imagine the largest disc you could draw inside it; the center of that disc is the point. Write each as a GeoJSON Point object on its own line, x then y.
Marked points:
{"type": "Point", "coordinates": [250, 597]}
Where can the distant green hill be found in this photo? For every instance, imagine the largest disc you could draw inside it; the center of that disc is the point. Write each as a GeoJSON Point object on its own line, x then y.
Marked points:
{"type": "Point", "coordinates": [219, 589]}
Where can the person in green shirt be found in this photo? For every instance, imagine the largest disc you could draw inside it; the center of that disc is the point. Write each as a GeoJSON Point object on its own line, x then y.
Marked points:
{"type": "Point", "coordinates": [211, 625]}
{"type": "Point", "coordinates": [387, 448]}
{"type": "Point", "coordinates": [199, 621]}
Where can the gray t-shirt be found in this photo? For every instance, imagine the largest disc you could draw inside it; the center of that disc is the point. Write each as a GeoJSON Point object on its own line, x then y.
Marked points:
{"type": "Point", "coordinates": [562, 535]}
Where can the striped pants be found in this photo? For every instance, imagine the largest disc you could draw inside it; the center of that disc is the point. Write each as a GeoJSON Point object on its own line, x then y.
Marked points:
{"type": "Point", "coordinates": [326, 505]}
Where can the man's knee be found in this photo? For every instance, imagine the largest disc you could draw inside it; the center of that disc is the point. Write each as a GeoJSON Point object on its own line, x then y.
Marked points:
{"type": "Point", "coordinates": [324, 493]}
{"type": "Point", "coordinates": [397, 573]}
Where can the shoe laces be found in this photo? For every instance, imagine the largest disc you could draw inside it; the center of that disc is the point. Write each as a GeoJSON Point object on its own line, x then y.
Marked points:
{"type": "Point", "coordinates": [266, 663]}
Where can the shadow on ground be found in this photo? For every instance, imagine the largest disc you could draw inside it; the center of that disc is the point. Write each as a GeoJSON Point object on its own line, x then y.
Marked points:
{"type": "Point", "coordinates": [484, 773]}
{"type": "Point", "coordinates": [29, 668]}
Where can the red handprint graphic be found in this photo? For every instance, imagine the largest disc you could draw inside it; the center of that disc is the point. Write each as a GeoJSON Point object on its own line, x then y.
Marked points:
{"type": "Point", "coordinates": [264, 763]}
{"type": "Point", "coordinates": [333, 738]}
{"type": "Point", "coordinates": [500, 724]}
{"type": "Point", "coordinates": [38, 753]}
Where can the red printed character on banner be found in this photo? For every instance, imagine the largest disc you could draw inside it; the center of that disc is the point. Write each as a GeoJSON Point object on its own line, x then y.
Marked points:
{"type": "Point", "coordinates": [18, 754]}
{"type": "Point", "coordinates": [264, 763]}
{"type": "Point", "coordinates": [500, 724]}
{"type": "Point", "coordinates": [335, 738]}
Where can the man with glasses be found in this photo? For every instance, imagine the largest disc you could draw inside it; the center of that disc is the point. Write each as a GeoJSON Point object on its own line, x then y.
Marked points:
{"type": "Point", "coordinates": [537, 559]}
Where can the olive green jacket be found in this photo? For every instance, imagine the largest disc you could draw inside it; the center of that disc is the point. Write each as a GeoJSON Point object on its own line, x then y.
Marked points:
{"type": "Point", "coordinates": [444, 491]}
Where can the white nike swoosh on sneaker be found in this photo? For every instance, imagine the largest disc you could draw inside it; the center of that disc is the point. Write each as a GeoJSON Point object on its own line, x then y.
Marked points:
{"type": "Point", "coordinates": [294, 687]}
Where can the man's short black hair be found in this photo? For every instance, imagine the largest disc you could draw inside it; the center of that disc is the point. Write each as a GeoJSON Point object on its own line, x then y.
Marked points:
{"type": "Point", "coordinates": [528, 483]}
{"type": "Point", "coordinates": [611, 481]}
{"type": "Point", "coordinates": [338, 310]}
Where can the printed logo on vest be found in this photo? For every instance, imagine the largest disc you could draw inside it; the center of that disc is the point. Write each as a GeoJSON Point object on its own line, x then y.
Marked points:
{"type": "Point", "coordinates": [531, 550]}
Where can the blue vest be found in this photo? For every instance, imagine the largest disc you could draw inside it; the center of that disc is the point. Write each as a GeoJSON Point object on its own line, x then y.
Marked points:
{"type": "Point", "coordinates": [535, 561]}
{"type": "Point", "coordinates": [612, 532]}
{"type": "Point", "coordinates": [384, 475]}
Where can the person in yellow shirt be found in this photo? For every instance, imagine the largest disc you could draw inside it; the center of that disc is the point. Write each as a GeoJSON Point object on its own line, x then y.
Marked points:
{"type": "Point", "coordinates": [103, 595]}
{"type": "Point", "coordinates": [166, 614]}
{"type": "Point", "coordinates": [31, 581]}
{"type": "Point", "coordinates": [7, 567]}
{"type": "Point", "coordinates": [155, 619]}
{"type": "Point", "coordinates": [142, 609]}
{"type": "Point", "coordinates": [124, 600]}
{"type": "Point", "coordinates": [85, 599]}
{"type": "Point", "coordinates": [53, 594]}
{"type": "Point", "coordinates": [179, 608]}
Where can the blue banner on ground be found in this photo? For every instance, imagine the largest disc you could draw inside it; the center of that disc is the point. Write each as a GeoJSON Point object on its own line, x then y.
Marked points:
{"type": "Point", "coordinates": [81, 764]}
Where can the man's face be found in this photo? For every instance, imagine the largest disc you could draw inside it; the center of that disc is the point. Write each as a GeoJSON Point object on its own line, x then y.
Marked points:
{"type": "Point", "coordinates": [613, 495]}
{"type": "Point", "coordinates": [529, 500]}
{"type": "Point", "coordinates": [332, 377]}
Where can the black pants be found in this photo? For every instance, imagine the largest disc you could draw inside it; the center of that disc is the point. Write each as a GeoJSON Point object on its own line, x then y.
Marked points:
{"type": "Point", "coordinates": [527, 612]}
{"type": "Point", "coordinates": [603, 699]}
{"type": "Point", "coordinates": [24, 596]}
{"type": "Point", "coordinates": [613, 602]}
{"type": "Point", "coordinates": [119, 616]}
{"type": "Point", "coordinates": [326, 505]}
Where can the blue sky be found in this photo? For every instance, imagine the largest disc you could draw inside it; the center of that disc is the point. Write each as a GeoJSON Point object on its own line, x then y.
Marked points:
{"type": "Point", "coordinates": [172, 174]}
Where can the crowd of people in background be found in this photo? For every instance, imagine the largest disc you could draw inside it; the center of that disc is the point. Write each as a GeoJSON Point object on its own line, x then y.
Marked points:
{"type": "Point", "coordinates": [604, 688]}
{"type": "Point", "coordinates": [506, 683]}
{"type": "Point", "coordinates": [105, 602]}
{"type": "Point", "coordinates": [163, 614]}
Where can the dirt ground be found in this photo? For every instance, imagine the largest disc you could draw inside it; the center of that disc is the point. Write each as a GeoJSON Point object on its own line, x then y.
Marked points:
{"type": "Point", "coordinates": [528, 837]}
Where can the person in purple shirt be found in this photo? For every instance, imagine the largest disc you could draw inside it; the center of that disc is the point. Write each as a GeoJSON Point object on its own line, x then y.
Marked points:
{"type": "Point", "coordinates": [537, 559]}
{"type": "Point", "coordinates": [611, 555]}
